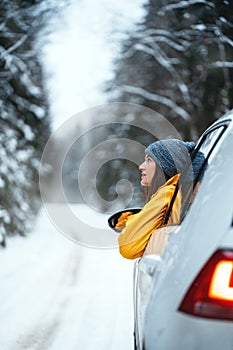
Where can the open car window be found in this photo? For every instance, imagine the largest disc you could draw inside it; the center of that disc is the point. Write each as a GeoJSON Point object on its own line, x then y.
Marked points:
{"type": "Point", "coordinates": [207, 144]}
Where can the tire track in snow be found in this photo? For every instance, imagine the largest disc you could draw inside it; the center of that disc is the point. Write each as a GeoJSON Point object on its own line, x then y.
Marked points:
{"type": "Point", "coordinates": [42, 335]}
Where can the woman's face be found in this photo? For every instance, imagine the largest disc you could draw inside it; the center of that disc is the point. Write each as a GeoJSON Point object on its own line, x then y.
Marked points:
{"type": "Point", "coordinates": [147, 168]}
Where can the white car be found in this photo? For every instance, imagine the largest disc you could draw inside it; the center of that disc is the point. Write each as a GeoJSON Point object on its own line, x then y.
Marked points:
{"type": "Point", "coordinates": [183, 299]}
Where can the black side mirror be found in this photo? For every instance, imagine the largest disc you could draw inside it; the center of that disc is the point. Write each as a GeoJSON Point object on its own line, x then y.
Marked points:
{"type": "Point", "coordinates": [113, 220]}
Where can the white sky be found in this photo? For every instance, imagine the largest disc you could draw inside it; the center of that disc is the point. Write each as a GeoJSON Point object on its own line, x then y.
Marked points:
{"type": "Point", "coordinates": [78, 59]}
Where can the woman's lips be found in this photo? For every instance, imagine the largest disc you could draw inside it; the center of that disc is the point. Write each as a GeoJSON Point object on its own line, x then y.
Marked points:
{"type": "Point", "coordinates": [143, 176]}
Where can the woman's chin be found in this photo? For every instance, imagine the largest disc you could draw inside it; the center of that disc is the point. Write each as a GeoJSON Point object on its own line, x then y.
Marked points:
{"type": "Point", "coordinates": [144, 183]}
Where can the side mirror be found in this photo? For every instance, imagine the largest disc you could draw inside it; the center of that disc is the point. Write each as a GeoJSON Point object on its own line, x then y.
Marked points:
{"type": "Point", "coordinates": [113, 220]}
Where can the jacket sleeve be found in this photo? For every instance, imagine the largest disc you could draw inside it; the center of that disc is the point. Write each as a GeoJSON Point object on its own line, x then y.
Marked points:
{"type": "Point", "coordinates": [139, 227]}
{"type": "Point", "coordinates": [122, 220]}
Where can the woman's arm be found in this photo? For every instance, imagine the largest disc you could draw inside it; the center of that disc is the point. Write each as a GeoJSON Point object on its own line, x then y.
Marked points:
{"type": "Point", "coordinates": [134, 237]}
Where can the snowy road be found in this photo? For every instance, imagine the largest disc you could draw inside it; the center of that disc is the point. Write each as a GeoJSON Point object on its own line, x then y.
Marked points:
{"type": "Point", "coordinates": [58, 295]}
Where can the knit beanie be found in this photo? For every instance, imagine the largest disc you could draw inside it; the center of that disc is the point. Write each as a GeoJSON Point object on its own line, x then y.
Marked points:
{"type": "Point", "coordinates": [173, 155]}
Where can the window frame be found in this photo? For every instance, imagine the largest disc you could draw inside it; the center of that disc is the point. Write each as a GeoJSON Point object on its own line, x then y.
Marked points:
{"type": "Point", "coordinates": [185, 206]}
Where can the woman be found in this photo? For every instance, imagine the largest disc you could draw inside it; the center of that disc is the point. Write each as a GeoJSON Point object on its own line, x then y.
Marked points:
{"type": "Point", "coordinates": [164, 161]}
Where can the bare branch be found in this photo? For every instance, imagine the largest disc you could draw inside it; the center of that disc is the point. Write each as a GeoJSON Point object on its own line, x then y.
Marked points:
{"type": "Point", "coordinates": [184, 4]}
{"type": "Point", "coordinates": [159, 55]}
{"type": "Point", "coordinates": [16, 45]}
{"type": "Point", "coordinates": [220, 64]}
{"type": "Point", "coordinates": [157, 98]}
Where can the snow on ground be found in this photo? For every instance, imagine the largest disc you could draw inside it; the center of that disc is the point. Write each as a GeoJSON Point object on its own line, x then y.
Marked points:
{"type": "Point", "coordinates": [57, 295]}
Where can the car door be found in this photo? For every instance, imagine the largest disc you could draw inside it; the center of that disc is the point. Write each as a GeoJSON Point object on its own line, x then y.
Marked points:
{"type": "Point", "coordinates": [145, 271]}
{"type": "Point", "coordinates": [148, 268]}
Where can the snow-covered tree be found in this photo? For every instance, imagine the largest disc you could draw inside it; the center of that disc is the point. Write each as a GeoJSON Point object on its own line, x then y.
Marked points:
{"type": "Point", "coordinates": [179, 63]}
{"type": "Point", "coordinates": [24, 122]}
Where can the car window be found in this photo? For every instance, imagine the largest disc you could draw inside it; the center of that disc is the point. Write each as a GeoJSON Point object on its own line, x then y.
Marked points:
{"type": "Point", "coordinates": [207, 145]}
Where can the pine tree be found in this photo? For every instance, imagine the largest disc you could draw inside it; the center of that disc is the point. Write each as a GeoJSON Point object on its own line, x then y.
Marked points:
{"type": "Point", "coordinates": [179, 63]}
{"type": "Point", "coordinates": [24, 122]}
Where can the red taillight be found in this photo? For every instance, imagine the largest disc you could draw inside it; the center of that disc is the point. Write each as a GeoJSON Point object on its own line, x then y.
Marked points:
{"type": "Point", "coordinates": [211, 293]}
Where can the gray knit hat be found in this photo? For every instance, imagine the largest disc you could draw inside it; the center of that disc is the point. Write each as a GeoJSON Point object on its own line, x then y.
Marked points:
{"type": "Point", "coordinates": [173, 155]}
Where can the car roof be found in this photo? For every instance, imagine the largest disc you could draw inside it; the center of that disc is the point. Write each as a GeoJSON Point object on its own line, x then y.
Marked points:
{"type": "Point", "coordinates": [226, 118]}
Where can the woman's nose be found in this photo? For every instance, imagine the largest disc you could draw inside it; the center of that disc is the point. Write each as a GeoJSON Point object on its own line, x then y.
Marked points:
{"type": "Point", "coordinates": [141, 166]}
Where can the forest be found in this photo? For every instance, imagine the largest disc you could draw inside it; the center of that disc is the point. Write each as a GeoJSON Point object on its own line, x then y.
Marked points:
{"type": "Point", "coordinates": [179, 62]}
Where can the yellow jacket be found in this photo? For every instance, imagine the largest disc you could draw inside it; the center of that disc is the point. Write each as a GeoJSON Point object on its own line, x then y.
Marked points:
{"type": "Point", "coordinates": [139, 227]}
